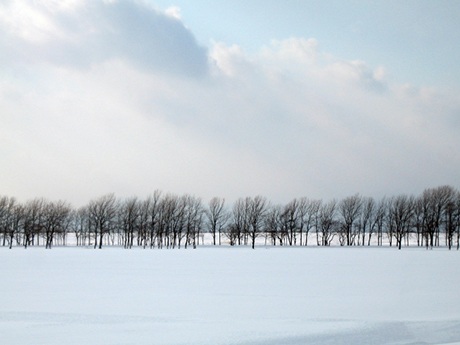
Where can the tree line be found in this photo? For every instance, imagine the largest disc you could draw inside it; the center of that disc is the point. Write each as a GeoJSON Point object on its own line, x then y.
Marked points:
{"type": "Point", "coordinates": [431, 219]}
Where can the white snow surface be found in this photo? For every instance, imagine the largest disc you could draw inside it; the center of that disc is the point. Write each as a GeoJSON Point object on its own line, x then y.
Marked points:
{"type": "Point", "coordinates": [230, 296]}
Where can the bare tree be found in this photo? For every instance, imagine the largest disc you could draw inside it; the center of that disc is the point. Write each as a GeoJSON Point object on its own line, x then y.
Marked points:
{"type": "Point", "coordinates": [56, 220]}
{"type": "Point", "coordinates": [377, 219]}
{"type": "Point", "coordinates": [178, 221]}
{"type": "Point", "coordinates": [193, 220]}
{"type": "Point", "coordinates": [171, 221]}
{"type": "Point", "coordinates": [102, 215]}
{"type": "Point", "coordinates": [5, 216]}
{"type": "Point", "coordinates": [257, 212]}
{"type": "Point", "coordinates": [418, 220]}
{"type": "Point", "coordinates": [290, 216]}
{"type": "Point", "coordinates": [349, 209]}
{"type": "Point", "coordinates": [143, 223]}
{"type": "Point", "coordinates": [33, 221]}
{"type": "Point", "coordinates": [450, 220]}
{"type": "Point", "coordinates": [272, 225]}
{"type": "Point", "coordinates": [327, 222]}
{"type": "Point", "coordinates": [283, 226]}
{"type": "Point", "coordinates": [380, 219]}
{"type": "Point", "coordinates": [217, 218]}
{"type": "Point", "coordinates": [4, 201]}
{"type": "Point", "coordinates": [401, 211]}
{"type": "Point", "coordinates": [153, 206]}
{"type": "Point", "coordinates": [434, 202]}
{"type": "Point", "coordinates": [232, 233]}
{"type": "Point", "coordinates": [239, 224]}
{"type": "Point", "coordinates": [167, 208]}
{"type": "Point", "coordinates": [308, 216]}
{"type": "Point", "coordinates": [80, 226]}
{"type": "Point", "coordinates": [128, 219]}
{"type": "Point", "coordinates": [11, 216]}
{"type": "Point", "coordinates": [17, 223]}
{"type": "Point", "coordinates": [449, 214]}
{"type": "Point", "coordinates": [457, 218]}
{"type": "Point", "coordinates": [367, 217]}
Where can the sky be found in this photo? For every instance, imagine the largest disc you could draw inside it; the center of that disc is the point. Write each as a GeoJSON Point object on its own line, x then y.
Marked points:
{"type": "Point", "coordinates": [322, 99]}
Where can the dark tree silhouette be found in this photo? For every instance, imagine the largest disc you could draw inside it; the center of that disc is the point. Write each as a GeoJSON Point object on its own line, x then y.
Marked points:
{"type": "Point", "coordinates": [216, 217]}
{"type": "Point", "coordinates": [102, 215]}
{"type": "Point", "coordinates": [257, 212]}
{"type": "Point", "coordinates": [349, 209]}
{"type": "Point", "coordinates": [56, 220]}
{"type": "Point", "coordinates": [173, 221]}
{"type": "Point", "coordinates": [327, 224]}
{"type": "Point", "coordinates": [400, 218]}
{"type": "Point", "coordinates": [128, 220]}
{"type": "Point", "coordinates": [33, 222]}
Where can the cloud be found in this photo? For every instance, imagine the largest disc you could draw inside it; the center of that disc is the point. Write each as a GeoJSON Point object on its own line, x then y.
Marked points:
{"type": "Point", "coordinates": [342, 121]}
{"type": "Point", "coordinates": [86, 108]}
{"type": "Point", "coordinates": [79, 34]}
{"type": "Point", "coordinates": [174, 12]}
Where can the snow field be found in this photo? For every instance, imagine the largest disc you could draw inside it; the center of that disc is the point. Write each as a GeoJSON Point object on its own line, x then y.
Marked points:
{"type": "Point", "coordinates": [230, 296]}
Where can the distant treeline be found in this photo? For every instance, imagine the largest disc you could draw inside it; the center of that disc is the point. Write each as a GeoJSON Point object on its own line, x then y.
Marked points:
{"type": "Point", "coordinates": [431, 219]}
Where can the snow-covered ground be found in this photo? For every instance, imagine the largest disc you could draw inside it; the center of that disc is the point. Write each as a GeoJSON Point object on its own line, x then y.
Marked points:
{"type": "Point", "coordinates": [226, 295]}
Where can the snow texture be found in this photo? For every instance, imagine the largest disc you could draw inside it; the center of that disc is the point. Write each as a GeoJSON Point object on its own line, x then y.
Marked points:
{"type": "Point", "coordinates": [230, 296]}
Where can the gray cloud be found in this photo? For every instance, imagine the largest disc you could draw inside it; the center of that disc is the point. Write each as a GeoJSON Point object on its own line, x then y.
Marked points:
{"type": "Point", "coordinates": [97, 31]}
{"type": "Point", "coordinates": [155, 40]}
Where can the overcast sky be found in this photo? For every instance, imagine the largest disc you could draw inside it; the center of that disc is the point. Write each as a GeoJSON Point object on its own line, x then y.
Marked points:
{"type": "Point", "coordinates": [235, 98]}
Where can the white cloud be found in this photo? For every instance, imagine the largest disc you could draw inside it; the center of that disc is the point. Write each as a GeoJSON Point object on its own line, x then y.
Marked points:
{"type": "Point", "coordinates": [298, 50]}
{"type": "Point", "coordinates": [27, 22]}
{"type": "Point", "coordinates": [229, 60]}
{"type": "Point", "coordinates": [173, 12]}
{"type": "Point", "coordinates": [356, 127]}
{"type": "Point", "coordinates": [290, 120]}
